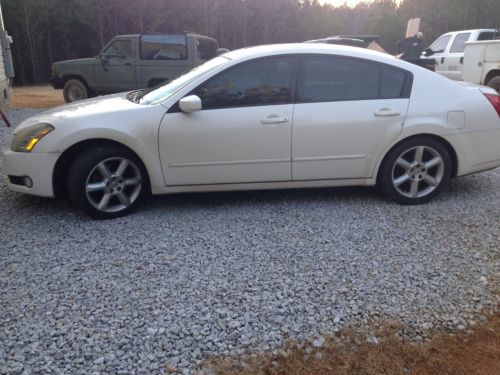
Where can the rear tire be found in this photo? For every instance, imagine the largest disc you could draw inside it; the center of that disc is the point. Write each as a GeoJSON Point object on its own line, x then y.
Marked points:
{"type": "Point", "coordinates": [74, 90]}
{"type": "Point", "coordinates": [415, 171]}
{"type": "Point", "coordinates": [494, 83]}
{"type": "Point", "coordinates": [107, 182]}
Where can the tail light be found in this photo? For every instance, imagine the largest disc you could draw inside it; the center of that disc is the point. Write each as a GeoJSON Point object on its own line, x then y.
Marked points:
{"type": "Point", "coordinates": [53, 71]}
{"type": "Point", "coordinates": [495, 101]}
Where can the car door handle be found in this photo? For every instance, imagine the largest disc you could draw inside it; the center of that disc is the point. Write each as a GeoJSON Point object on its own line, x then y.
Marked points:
{"type": "Point", "coordinates": [273, 119]}
{"type": "Point", "coordinates": [386, 112]}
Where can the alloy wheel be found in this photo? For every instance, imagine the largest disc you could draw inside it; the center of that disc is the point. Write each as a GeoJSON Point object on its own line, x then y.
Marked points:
{"type": "Point", "coordinates": [113, 185]}
{"type": "Point", "coordinates": [418, 171]}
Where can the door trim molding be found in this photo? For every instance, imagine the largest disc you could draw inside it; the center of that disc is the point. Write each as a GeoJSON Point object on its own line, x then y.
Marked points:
{"type": "Point", "coordinates": [325, 158]}
{"type": "Point", "coordinates": [228, 162]}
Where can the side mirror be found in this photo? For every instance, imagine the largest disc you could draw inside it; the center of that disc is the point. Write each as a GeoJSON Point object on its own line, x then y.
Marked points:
{"type": "Point", "coordinates": [428, 52]}
{"type": "Point", "coordinates": [191, 103]}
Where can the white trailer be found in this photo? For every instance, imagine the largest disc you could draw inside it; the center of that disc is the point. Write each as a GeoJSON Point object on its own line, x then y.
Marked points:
{"type": "Point", "coordinates": [6, 67]}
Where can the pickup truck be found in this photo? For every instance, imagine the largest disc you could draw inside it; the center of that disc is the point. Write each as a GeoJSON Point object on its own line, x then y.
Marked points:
{"type": "Point", "coordinates": [482, 63]}
{"type": "Point", "coordinates": [130, 62]}
{"type": "Point", "coordinates": [448, 50]}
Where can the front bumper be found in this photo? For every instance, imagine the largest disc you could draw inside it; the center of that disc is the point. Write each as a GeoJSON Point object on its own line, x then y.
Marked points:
{"type": "Point", "coordinates": [56, 82]}
{"type": "Point", "coordinates": [39, 167]}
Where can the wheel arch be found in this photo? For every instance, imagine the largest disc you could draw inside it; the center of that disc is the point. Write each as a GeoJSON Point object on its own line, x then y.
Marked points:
{"type": "Point", "coordinates": [491, 74]}
{"type": "Point", "coordinates": [68, 156]}
{"type": "Point", "coordinates": [79, 77]}
{"type": "Point", "coordinates": [444, 142]}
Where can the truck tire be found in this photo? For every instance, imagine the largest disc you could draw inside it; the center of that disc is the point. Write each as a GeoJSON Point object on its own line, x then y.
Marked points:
{"type": "Point", "coordinates": [75, 89]}
{"type": "Point", "coordinates": [495, 83]}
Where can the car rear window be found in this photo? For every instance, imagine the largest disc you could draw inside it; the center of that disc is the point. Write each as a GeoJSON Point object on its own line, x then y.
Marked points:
{"type": "Point", "coordinates": [207, 48]}
{"type": "Point", "coordinates": [392, 83]}
{"type": "Point", "coordinates": [163, 47]}
{"type": "Point", "coordinates": [487, 35]}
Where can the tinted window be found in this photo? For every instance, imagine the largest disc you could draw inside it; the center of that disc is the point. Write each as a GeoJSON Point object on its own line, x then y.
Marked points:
{"type": "Point", "coordinates": [261, 82]}
{"type": "Point", "coordinates": [440, 44]}
{"type": "Point", "coordinates": [120, 47]}
{"type": "Point", "coordinates": [163, 47]}
{"type": "Point", "coordinates": [459, 42]}
{"type": "Point", "coordinates": [487, 35]}
{"type": "Point", "coordinates": [207, 49]}
{"type": "Point", "coordinates": [392, 83]}
{"type": "Point", "coordinates": [327, 79]}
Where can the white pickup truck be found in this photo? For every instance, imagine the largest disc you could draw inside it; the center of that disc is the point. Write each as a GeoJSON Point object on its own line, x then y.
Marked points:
{"type": "Point", "coordinates": [448, 50]}
{"type": "Point", "coordinates": [482, 63]}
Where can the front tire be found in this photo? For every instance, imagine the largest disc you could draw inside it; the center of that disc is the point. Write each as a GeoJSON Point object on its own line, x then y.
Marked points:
{"type": "Point", "coordinates": [74, 90]}
{"type": "Point", "coordinates": [416, 171]}
{"type": "Point", "coordinates": [107, 182]}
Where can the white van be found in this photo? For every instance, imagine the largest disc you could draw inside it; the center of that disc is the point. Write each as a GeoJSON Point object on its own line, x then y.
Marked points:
{"type": "Point", "coordinates": [448, 50]}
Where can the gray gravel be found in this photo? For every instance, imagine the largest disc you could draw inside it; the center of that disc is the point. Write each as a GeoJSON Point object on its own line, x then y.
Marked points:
{"type": "Point", "coordinates": [192, 276]}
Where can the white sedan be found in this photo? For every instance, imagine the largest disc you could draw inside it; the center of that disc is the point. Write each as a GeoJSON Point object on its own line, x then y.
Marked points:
{"type": "Point", "coordinates": [268, 117]}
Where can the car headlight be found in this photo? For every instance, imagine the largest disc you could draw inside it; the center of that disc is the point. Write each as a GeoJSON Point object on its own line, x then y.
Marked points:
{"type": "Point", "coordinates": [27, 139]}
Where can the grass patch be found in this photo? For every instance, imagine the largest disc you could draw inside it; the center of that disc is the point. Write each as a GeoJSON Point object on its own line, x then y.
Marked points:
{"type": "Point", "coordinates": [476, 352]}
{"type": "Point", "coordinates": [26, 97]}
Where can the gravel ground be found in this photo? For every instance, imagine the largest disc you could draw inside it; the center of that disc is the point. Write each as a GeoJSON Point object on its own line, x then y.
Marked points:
{"type": "Point", "coordinates": [192, 276]}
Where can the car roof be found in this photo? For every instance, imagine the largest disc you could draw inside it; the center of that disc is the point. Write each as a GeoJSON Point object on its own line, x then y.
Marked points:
{"type": "Point", "coordinates": [471, 31]}
{"type": "Point", "coordinates": [311, 48]}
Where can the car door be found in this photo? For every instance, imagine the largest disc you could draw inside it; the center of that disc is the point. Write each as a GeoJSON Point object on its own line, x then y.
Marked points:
{"type": "Point", "coordinates": [243, 132]}
{"type": "Point", "coordinates": [347, 113]}
{"type": "Point", "coordinates": [115, 68]}
{"type": "Point", "coordinates": [439, 50]}
{"type": "Point", "coordinates": [454, 62]}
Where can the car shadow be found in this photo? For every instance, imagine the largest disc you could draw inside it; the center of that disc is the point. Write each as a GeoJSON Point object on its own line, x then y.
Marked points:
{"type": "Point", "coordinates": [468, 189]}
{"type": "Point", "coordinates": [243, 198]}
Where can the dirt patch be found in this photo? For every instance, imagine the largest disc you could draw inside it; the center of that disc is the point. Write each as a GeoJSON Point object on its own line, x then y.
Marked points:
{"type": "Point", "coordinates": [36, 97]}
{"type": "Point", "coordinates": [476, 352]}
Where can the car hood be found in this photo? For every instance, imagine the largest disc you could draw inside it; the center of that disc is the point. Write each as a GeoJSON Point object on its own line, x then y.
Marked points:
{"type": "Point", "coordinates": [90, 107]}
{"type": "Point", "coordinates": [87, 61]}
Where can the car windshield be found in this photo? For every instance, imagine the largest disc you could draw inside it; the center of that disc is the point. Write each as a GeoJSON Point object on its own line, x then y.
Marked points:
{"type": "Point", "coordinates": [162, 93]}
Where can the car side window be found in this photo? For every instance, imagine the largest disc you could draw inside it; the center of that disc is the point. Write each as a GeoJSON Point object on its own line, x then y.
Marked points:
{"type": "Point", "coordinates": [325, 79]}
{"type": "Point", "coordinates": [163, 47]}
{"type": "Point", "coordinates": [207, 48]}
{"type": "Point", "coordinates": [120, 47]}
{"type": "Point", "coordinates": [261, 82]}
{"type": "Point", "coordinates": [459, 42]}
{"type": "Point", "coordinates": [440, 44]}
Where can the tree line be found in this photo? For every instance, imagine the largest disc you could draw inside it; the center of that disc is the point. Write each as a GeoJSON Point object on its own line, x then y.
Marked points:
{"type": "Point", "coordinates": [45, 31]}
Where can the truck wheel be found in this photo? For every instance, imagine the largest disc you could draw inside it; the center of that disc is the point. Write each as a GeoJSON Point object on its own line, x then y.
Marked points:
{"type": "Point", "coordinates": [74, 90]}
{"type": "Point", "coordinates": [495, 83]}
